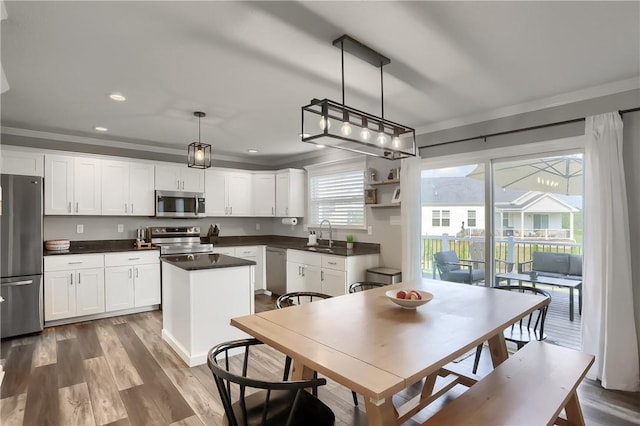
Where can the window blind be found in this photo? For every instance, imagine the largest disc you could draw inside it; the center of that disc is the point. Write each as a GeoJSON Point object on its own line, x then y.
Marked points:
{"type": "Point", "coordinates": [337, 196]}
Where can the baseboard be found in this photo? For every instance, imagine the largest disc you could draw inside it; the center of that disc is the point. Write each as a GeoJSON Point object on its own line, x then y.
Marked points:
{"type": "Point", "coordinates": [101, 315]}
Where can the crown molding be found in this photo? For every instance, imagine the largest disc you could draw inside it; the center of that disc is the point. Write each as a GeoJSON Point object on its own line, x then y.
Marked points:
{"type": "Point", "coordinates": [539, 104]}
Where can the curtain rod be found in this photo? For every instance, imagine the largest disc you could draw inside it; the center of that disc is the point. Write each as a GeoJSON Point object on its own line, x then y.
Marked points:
{"type": "Point", "coordinates": [524, 129]}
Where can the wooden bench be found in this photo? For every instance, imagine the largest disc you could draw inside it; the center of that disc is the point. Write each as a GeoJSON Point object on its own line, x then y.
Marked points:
{"type": "Point", "coordinates": [532, 387]}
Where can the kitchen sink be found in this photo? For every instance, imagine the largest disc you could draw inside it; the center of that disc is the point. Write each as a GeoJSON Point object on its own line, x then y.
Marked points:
{"type": "Point", "coordinates": [322, 249]}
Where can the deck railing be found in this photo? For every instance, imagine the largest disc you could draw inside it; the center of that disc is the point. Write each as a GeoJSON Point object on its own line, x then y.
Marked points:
{"type": "Point", "coordinates": [509, 251]}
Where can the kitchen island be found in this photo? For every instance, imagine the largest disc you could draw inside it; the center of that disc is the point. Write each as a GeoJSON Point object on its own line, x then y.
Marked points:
{"type": "Point", "coordinates": [200, 294]}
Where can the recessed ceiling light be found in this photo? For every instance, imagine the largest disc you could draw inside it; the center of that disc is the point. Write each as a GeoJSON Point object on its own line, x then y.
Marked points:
{"type": "Point", "coordinates": [100, 129]}
{"type": "Point", "coordinates": [117, 97]}
{"type": "Point", "coordinates": [319, 146]}
{"type": "Point", "coordinates": [252, 151]}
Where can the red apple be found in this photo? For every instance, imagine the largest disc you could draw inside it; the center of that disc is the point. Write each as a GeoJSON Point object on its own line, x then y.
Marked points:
{"type": "Point", "coordinates": [401, 294]}
{"type": "Point", "coordinates": [415, 293]}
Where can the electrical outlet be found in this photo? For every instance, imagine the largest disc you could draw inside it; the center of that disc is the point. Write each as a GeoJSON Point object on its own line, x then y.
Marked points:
{"type": "Point", "coordinates": [257, 226]}
{"type": "Point", "coordinates": [79, 228]}
{"type": "Point", "coordinates": [120, 227]}
{"type": "Point", "coordinates": [370, 230]}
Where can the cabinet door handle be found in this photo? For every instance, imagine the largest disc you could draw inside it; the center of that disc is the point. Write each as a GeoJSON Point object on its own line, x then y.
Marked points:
{"type": "Point", "coordinates": [130, 273]}
{"type": "Point", "coordinates": [182, 184]}
{"type": "Point", "coordinates": [286, 211]}
{"type": "Point", "coordinates": [300, 270]}
{"type": "Point", "coordinates": [71, 278]}
{"type": "Point", "coordinates": [74, 263]}
{"type": "Point", "coordinates": [178, 182]}
{"type": "Point", "coordinates": [272, 212]}
{"type": "Point", "coordinates": [231, 210]}
{"type": "Point", "coordinates": [332, 263]}
{"type": "Point", "coordinates": [77, 206]}
{"type": "Point", "coordinates": [79, 275]}
{"type": "Point", "coordinates": [321, 275]}
{"type": "Point", "coordinates": [303, 271]}
{"type": "Point", "coordinates": [18, 283]}
{"type": "Point", "coordinates": [69, 207]}
{"type": "Point", "coordinates": [131, 208]}
{"type": "Point", "coordinates": [137, 273]}
{"type": "Point", "coordinates": [125, 207]}
{"type": "Point", "coordinates": [133, 258]}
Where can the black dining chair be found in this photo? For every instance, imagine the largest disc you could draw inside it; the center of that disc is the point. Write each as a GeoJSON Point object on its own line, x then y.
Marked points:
{"type": "Point", "coordinates": [529, 328]}
{"type": "Point", "coordinates": [364, 285]}
{"type": "Point", "coordinates": [272, 403]}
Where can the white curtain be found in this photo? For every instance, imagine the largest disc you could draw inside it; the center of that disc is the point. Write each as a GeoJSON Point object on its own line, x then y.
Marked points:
{"type": "Point", "coordinates": [411, 197]}
{"type": "Point", "coordinates": [608, 329]}
{"type": "Point", "coordinates": [4, 84]}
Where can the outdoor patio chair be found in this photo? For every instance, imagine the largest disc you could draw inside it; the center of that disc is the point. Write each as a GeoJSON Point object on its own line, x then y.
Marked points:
{"type": "Point", "coordinates": [262, 402]}
{"type": "Point", "coordinates": [528, 328]}
{"type": "Point", "coordinates": [453, 269]}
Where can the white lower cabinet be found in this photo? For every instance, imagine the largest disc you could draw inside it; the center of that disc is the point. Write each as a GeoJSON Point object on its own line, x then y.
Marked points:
{"type": "Point", "coordinates": [254, 253]}
{"type": "Point", "coordinates": [323, 273]}
{"type": "Point", "coordinates": [73, 286]}
{"type": "Point", "coordinates": [132, 280]}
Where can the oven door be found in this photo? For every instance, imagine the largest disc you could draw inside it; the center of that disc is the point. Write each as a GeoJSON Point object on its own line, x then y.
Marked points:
{"type": "Point", "coordinates": [180, 204]}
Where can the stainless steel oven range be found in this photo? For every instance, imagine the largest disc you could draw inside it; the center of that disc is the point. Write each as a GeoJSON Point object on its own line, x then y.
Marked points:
{"type": "Point", "coordinates": [178, 240]}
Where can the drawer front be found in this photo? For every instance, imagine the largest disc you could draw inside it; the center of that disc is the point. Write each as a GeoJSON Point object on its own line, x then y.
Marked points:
{"type": "Point", "coordinates": [229, 251]}
{"type": "Point", "coordinates": [248, 251]}
{"type": "Point", "coordinates": [333, 262]}
{"type": "Point", "coordinates": [304, 257]}
{"type": "Point", "coordinates": [131, 258]}
{"type": "Point", "coordinates": [73, 262]}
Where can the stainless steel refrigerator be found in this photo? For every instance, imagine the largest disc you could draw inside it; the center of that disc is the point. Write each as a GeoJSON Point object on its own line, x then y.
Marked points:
{"type": "Point", "coordinates": [21, 255]}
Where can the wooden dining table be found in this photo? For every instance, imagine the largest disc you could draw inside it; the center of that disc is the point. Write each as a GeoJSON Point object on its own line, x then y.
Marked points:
{"type": "Point", "coordinates": [369, 344]}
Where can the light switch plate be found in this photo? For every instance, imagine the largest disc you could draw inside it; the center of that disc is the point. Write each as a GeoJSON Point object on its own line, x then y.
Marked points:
{"type": "Point", "coordinates": [120, 227]}
{"type": "Point", "coordinates": [370, 230]}
{"type": "Point", "coordinates": [257, 226]}
{"type": "Point", "coordinates": [79, 228]}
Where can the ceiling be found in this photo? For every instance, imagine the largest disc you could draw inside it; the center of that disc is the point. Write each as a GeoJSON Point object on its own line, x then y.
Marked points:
{"type": "Point", "coordinates": [251, 65]}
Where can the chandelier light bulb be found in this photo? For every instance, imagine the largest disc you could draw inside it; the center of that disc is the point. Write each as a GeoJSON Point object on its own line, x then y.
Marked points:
{"type": "Point", "coordinates": [365, 134]}
{"type": "Point", "coordinates": [382, 138]}
{"type": "Point", "coordinates": [346, 129]}
{"type": "Point", "coordinates": [199, 155]}
{"type": "Point", "coordinates": [396, 142]}
{"type": "Point", "coordinates": [324, 123]}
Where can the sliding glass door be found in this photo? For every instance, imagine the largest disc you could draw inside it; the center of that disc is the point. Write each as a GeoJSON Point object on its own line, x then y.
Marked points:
{"type": "Point", "coordinates": [532, 214]}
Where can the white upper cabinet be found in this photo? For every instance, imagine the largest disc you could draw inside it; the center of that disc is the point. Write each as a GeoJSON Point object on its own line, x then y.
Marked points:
{"type": "Point", "coordinates": [25, 163]}
{"type": "Point", "coordinates": [228, 193]}
{"type": "Point", "coordinates": [72, 185]}
{"type": "Point", "coordinates": [179, 178]}
{"type": "Point", "coordinates": [263, 190]}
{"type": "Point", "coordinates": [127, 189]}
{"type": "Point", "coordinates": [290, 192]}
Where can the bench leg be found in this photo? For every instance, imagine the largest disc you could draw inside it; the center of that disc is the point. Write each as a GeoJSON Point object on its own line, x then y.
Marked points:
{"type": "Point", "coordinates": [573, 410]}
{"type": "Point", "coordinates": [570, 303]}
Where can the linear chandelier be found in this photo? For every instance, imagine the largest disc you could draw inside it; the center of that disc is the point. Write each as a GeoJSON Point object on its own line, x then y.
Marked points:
{"type": "Point", "coordinates": [333, 124]}
{"type": "Point", "coordinates": [198, 153]}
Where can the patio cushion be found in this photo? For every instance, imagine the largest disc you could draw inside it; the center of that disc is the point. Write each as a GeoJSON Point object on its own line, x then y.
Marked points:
{"type": "Point", "coordinates": [444, 259]}
{"type": "Point", "coordinates": [462, 275]}
{"type": "Point", "coordinates": [551, 262]}
{"type": "Point", "coordinates": [575, 265]}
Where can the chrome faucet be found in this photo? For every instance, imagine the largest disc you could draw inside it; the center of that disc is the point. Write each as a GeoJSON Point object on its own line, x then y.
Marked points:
{"type": "Point", "coordinates": [330, 232]}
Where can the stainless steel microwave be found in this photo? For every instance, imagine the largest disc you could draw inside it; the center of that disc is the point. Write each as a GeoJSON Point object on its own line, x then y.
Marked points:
{"type": "Point", "coordinates": [180, 204]}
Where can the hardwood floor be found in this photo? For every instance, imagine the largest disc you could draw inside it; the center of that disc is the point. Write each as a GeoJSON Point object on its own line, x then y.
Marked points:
{"type": "Point", "coordinates": [119, 371]}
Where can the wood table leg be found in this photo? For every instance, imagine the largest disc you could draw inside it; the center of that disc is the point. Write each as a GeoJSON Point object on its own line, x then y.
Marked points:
{"type": "Point", "coordinates": [381, 413]}
{"type": "Point", "coordinates": [573, 410]}
{"type": "Point", "coordinates": [301, 372]}
{"type": "Point", "coordinates": [498, 349]}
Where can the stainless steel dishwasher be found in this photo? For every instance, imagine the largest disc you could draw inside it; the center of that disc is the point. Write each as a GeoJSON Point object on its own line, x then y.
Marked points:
{"type": "Point", "coordinates": [277, 270]}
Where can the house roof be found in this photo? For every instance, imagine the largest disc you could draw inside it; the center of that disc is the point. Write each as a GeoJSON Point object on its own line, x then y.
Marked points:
{"type": "Point", "coordinates": [466, 191]}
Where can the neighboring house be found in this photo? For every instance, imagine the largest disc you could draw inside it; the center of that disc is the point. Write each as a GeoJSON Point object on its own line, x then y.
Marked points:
{"type": "Point", "coordinates": [448, 202]}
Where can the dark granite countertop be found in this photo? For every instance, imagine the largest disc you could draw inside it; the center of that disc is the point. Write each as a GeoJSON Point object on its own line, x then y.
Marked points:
{"type": "Point", "coordinates": [195, 262]}
{"type": "Point", "coordinates": [98, 246]}
{"type": "Point", "coordinates": [339, 247]}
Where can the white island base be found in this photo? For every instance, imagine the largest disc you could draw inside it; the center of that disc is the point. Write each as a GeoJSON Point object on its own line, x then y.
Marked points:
{"type": "Point", "coordinates": [197, 306]}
